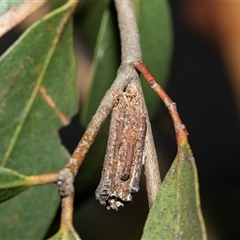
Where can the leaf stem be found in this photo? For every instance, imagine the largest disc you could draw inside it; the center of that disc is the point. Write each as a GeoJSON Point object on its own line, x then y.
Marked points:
{"type": "Point", "coordinates": [180, 129]}
{"type": "Point", "coordinates": [67, 211]}
{"type": "Point", "coordinates": [43, 179]}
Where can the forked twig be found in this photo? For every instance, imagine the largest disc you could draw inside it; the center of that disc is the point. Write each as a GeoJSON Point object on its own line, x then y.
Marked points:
{"type": "Point", "coordinates": [126, 77]}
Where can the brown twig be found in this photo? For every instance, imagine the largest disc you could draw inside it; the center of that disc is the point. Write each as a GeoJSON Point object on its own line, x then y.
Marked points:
{"type": "Point", "coordinates": [127, 76]}
{"type": "Point", "coordinates": [50, 102]}
{"type": "Point", "coordinates": [181, 133]}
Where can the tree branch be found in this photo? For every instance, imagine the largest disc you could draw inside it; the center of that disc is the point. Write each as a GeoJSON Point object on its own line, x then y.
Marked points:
{"type": "Point", "coordinates": [127, 78]}
{"type": "Point", "coordinates": [180, 129]}
{"type": "Point", "coordinates": [129, 34]}
{"type": "Point", "coordinates": [131, 53]}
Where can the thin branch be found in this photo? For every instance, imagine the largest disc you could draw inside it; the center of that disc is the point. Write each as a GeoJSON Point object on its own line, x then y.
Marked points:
{"type": "Point", "coordinates": [67, 230]}
{"type": "Point", "coordinates": [181, 132]}
{"type": "Point", "coordinates": [67, 211]}
{"type": "Point", "coordinates": [129, 34]}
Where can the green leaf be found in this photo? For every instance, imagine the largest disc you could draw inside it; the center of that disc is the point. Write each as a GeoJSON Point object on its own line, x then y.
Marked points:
{"type": "Point", "coordinates": [156, 37]}
{"type": "Point", "coordinates": [176, 212]}
{"type": "Point", "coordinates": [38, 68]}
{"type": "Point", "coordinates": [11, 183]}
{"type": "Point", "coordinates": [56, 4]}
{"type": "Point", "coordinates": [66, 233]}
{"type": "Point", "coordinates": [89, 20]}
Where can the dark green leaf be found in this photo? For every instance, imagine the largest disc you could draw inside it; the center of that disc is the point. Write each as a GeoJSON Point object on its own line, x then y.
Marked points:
{"type": "Point", "coordinates": [105, 65]}
{"type": "Point", "coordinates": [11, 183]}
{"type": "Point", "coordinates": [176, 212]}
{"type": "Point", "coordinates": [89, 20]}
{"type": "Point", "coordinates": [42, 57]}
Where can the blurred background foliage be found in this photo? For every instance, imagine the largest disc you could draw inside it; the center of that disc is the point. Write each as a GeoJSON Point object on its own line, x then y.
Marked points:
{"type": "Point", "coordinates": [204, 82]}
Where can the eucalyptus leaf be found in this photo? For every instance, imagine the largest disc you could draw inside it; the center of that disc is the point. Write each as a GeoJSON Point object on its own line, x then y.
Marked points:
{"type": "Point", "coordinates": [37, 96]}
{"type": "Point", "coordinates": [11, 183]}
{"type": "Point", "coordinates": [89, 20]}
{"type": "Point", "coordinates": [176, 212]}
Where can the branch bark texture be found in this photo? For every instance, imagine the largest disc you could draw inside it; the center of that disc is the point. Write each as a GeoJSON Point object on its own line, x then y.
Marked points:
{"type": "Point", "coordinates": [129, 34]}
